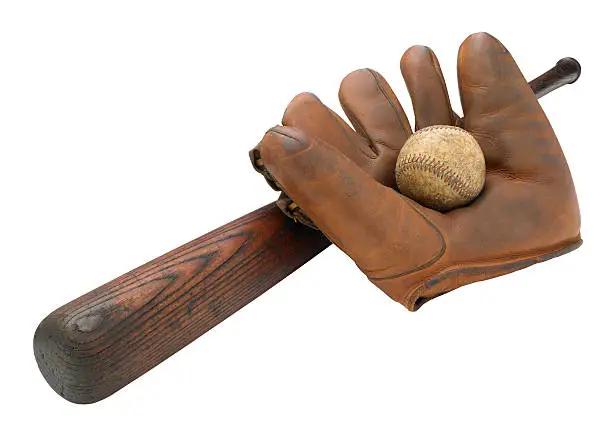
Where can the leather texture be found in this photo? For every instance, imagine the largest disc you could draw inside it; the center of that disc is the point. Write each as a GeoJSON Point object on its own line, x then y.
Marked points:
{"type": "Point", "coordinates": [342, 179]}
{"type": "Point", "coordinates": [372, 108]}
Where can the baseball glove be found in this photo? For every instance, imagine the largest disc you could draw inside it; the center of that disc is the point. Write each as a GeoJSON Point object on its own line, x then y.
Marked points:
{"type": "Point", "coordinates": [341, 180]}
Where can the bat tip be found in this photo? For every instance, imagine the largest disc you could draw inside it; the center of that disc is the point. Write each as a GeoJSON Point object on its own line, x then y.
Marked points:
{"type": "Point", "coordinates": [571, 67]}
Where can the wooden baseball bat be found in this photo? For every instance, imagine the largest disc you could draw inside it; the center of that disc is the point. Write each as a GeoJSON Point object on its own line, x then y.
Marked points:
{"type": "Point", "coordinates": [95, 345]}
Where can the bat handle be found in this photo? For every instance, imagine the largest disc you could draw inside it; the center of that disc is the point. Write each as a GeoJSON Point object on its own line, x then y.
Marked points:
{"type": "Point", "coordinates": [567, 71]}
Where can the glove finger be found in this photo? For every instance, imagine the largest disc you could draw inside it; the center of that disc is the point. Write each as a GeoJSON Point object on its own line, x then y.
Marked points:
{"type": "Point", "coordinates": [503, 114]}
{"type": "Point", "coordinates": [308, 113]}
{"type": "Point", "coordinates": [425, 82]}
{"type": "Point", "coordinates": [374, 110]}
{"type": "Point", "coordinates": [365, 219]}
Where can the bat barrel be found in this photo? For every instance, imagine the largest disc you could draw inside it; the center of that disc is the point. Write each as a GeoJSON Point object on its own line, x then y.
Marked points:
{"type": "Point", "coordinates": [98, 343]}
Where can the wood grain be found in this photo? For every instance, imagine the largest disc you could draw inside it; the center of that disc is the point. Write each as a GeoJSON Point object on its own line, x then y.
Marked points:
{"type": "Point", "coordinates": [98, 343]}
{"type": "Point", "coordinates": [566, 71]}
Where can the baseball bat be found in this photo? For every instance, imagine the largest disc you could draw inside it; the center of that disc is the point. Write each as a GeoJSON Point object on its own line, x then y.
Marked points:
{"type": "Point", "coordinates": [96, 344]}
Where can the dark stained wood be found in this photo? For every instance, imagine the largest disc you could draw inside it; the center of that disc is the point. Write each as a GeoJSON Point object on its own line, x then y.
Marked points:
{"type": "Point", "coordinates": [567, 71]}
{"type": "Point", "coordinates": [98, 343]}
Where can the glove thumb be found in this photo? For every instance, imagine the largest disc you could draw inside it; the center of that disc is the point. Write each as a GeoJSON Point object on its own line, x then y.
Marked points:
{"type": "Point", "coordinates": [376, 226]}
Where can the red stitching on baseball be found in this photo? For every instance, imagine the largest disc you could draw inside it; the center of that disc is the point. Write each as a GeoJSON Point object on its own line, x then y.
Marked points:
{"type": "Point", "coordinates": [441, 170]}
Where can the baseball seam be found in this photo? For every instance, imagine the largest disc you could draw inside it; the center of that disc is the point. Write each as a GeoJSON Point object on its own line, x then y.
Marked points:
{"type": "Point", "coordinates": [439, 169]}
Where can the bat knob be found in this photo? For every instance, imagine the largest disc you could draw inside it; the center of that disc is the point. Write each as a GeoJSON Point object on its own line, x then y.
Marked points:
{"type": "Point", "coordinates": [569, 68]}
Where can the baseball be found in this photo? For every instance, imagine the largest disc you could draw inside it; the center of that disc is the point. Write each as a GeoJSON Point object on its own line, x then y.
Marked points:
{"type": "Point", "coordinates": [441, 167]}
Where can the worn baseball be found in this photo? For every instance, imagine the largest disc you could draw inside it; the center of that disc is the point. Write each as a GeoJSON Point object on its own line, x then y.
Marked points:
{"type": "Point", "coordinates": [441, 167]}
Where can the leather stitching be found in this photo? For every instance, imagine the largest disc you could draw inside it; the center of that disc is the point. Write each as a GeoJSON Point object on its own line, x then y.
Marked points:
{"type": "Point", "coordinates": [370, 274]}
{"type": "Point", "coordinates": [375, 153]}
{"type": "Point", "coordinates": [441, 170]}
{"type": "Point", "coordinates": [398, 114]}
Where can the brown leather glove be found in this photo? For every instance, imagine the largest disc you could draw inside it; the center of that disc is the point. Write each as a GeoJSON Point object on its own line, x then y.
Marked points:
{"type": "Point", "coordinates": [527, 213]}
{"type": "Point", "coordinates": [372, 108]}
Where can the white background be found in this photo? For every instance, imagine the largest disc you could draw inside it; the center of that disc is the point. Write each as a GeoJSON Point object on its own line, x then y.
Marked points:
{"type": "Point", "coordinates": [124, 132]}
